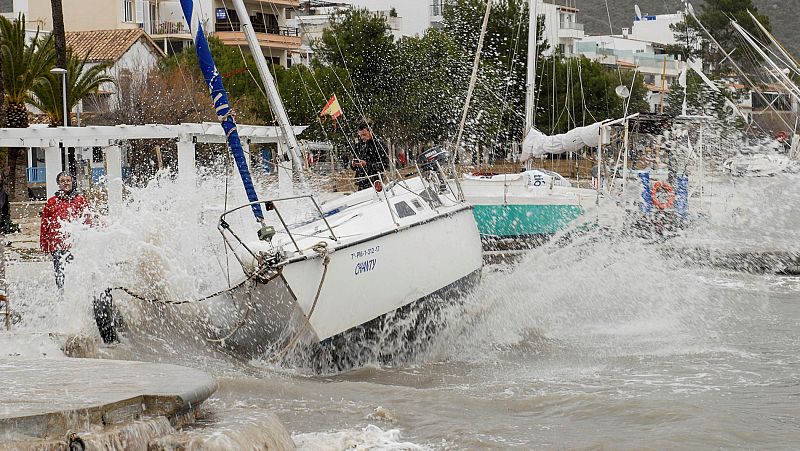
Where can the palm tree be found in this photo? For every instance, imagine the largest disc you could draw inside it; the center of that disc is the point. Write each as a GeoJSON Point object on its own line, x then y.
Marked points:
{"type": "Point", "coordinates": [59, 38]}
{"type": "Point", "coordinates": [46, 95]}
{"type": "Point", "coordinates": [25, 63]}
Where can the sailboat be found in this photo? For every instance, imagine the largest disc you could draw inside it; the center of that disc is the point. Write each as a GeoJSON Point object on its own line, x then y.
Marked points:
{"type": "Point", "coordinates": [523, 209]}
{"type": "Point", "coordinates": [314, 271]}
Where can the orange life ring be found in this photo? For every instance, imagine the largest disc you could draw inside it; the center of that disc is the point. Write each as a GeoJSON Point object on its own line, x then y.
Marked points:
{"type": "Point", "coordinates": [659, 186]}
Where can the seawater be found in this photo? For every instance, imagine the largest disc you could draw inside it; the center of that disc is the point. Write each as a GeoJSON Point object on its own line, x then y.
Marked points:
{"type": "Point", "coordinates": [605, 340]}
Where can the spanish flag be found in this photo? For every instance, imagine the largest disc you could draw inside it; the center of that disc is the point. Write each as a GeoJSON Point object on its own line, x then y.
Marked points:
{"type": "Point", "coordinates": [332, 109]}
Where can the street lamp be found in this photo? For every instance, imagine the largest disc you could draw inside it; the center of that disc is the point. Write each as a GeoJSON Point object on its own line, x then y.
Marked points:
{"type": "Point", "coordinates": [63, 73]}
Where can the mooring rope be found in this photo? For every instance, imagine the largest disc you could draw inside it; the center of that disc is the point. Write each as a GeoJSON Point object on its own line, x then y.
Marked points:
{"type": "Point", "coordinates": [191, 301]}
{"type": "Point", "coordinates": [186, 301]}
{"type": "Point", "coordinates": [320, 248]}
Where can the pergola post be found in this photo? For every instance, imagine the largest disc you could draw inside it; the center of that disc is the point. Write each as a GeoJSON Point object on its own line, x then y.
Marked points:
{"type": "Point", "coordinates": [284, 167]}
{"type": "Point", "coordinates": [52, 161]}
{"type": "Point", "coordinates": [114, 178]}
{"type": "Point", "coordinates": [187, 172]}
{"type": "Point", "coordinates": [247, 156]}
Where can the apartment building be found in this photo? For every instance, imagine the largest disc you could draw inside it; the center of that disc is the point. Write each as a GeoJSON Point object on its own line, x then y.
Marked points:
{"type": "Point", "coordinates": [640, 48]}
{"type": "Point", "coordinates": [163, 21]}
{"type": "Point", "coordinates": [314, 17]}
{"type": "Point", "coordinates": [561, 27]}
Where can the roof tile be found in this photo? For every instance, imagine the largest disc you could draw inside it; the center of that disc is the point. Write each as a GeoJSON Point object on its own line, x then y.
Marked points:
{"type": "Point", "coordinates": [105, 45]}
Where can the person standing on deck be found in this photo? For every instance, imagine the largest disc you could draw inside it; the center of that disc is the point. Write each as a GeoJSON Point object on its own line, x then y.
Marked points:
{"type": "Point", "coordinates": [65, 206]}
{"type": "Point", "coordinates": [370, 159]}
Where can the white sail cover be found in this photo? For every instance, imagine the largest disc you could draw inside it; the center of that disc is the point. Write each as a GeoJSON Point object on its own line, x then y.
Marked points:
{"type": "Point", "coordinates": [537, 143]}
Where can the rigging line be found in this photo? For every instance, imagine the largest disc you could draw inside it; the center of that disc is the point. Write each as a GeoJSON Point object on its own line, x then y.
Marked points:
{"type": "Point", "coordinates": [269, 48]}
{"type": "Point", "coordinates": [357, 102]}
{"type": "Point", "coordinates": [762, 45]}
{"type": "Point", "coordinates": [554, 100]}
{"type": "Point", "coordinates": [512, 63]}
{"type": "Point", "coordinates": [185, 82]}
{"type": "Point", "coordinates": [613, 41]}
{"type": "Point", "coordinates": [780, 77]}
{"type": "Point", "coordinates": [534, 97]}
{"type": "Point", "coordinates": [474, 74]}
{"type": "Point", "coordinates": [728, 56]}
{"type": "Point", "coordinates": [323, 96]}
{"type": "Point", "coordinates": [572, 93]}
{"type": "Point", "coordinates": [583, 94]}
{"type": "Point", "coordinates": [354, 96]}
{"type": "Point", "coordinates": [241, 52]}
{"type": "Point", "coordinates": [568, 91]}
{"type": "Point", "coordinates": [344, 124]}
{"type": "Point", "coordinates": [225, 208]}
{"type": "Point", "coordinates": [790, 60]}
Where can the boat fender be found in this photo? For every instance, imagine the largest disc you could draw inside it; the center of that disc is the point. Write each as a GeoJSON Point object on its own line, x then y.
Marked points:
{"type": "Point", "coordinates": [662, 186]}
{"type": "Point", "coordinates": [378, 186]}
{"type": "Point", "coordinates": [74, 442]}
{"type": "Point", "coordinates": [103, 306]}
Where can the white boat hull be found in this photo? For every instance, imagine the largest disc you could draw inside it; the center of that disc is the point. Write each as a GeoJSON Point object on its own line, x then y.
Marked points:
{"type": "Point", "coordinates": [365, 280]}
{"type": "Point", "coordinates": [509, 207]}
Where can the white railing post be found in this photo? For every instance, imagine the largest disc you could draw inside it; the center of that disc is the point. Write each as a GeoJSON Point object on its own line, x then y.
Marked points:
{"type": "Point", "coordinates": [53, 164]}
{"type": "Point", "coordinates": [187, 169]}
{"type": "Point", "coordinates": [114, 178]}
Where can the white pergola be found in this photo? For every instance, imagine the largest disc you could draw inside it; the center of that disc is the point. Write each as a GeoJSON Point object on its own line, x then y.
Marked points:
{"type": "Point", "coordinates": [53, 139]}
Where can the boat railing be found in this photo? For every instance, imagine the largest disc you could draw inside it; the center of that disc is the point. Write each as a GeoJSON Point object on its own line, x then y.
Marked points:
{"type": "Point", "coordinates": [267, 232]}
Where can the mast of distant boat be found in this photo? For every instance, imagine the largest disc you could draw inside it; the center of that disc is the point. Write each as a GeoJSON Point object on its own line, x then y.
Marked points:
{"type": "Point", "coordinates": [533, 46]}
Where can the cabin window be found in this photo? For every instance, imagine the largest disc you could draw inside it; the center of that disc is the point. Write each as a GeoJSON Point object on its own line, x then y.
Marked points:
{"type": "Point", "coordinates": [417, 204]}
{"type": "Point", "coordinates": [403, 209]}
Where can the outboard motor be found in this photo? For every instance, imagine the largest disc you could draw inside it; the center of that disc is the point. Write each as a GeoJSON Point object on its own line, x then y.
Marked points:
{"type": "Point", "coordinates": [427, 160]}
{"type": "Point", "coordinates": [430, 165]}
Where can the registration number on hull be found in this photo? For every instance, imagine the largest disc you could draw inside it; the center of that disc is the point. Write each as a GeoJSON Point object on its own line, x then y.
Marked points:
{"type": "Point", "coordinates": [362, 265]}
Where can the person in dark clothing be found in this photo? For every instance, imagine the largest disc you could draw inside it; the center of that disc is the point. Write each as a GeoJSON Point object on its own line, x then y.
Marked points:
{"type": "Point", "coordinates": [370, 159]}
{"type": "Point", "coordinates": [5, 198]}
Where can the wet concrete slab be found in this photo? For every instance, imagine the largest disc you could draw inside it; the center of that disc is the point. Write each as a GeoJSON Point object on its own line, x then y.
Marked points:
{"type": "Point", "coordinates": [47, 398]}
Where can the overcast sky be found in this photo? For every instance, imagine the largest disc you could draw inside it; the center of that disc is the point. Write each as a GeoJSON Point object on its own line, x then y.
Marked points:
{"type": "Point", "coordinates": [413, 12]}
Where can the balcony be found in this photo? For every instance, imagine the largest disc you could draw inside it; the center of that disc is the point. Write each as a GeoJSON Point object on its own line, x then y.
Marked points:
{"type": "Point", "coordinates": [286, 3]}
{"type": "Point", "coordinates": [36, 175]}
{"type": "Point", "coordinates": [168, 28]}
{"type": "Point", "coordinates": [570, 30]}
{"type": "Point", "coordinates": [286, 38]}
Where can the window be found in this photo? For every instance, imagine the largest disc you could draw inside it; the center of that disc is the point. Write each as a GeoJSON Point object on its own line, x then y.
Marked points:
{"type": "Point", "coordinates": [403, 209]}
{"type": "Point", "coordinates": [6, 6]}
{"type": "Point", "coordinates": [127, 11]}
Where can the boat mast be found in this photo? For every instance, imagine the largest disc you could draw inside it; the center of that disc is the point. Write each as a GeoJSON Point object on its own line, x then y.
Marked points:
{"type": "Point", "coordinates": [788, 58]}
{"type": "Point", "coordinates": [269, 83]}
{"type": "Point", "coordinates": [779, 76]}
{"type": "Point", "coordinates": [217, 90]}
{"type": "Point", "coordinates": [533, 45]}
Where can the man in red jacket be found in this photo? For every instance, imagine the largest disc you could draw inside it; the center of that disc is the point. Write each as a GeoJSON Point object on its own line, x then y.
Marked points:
{"type": "Point", "coordinates": [66, 205]}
